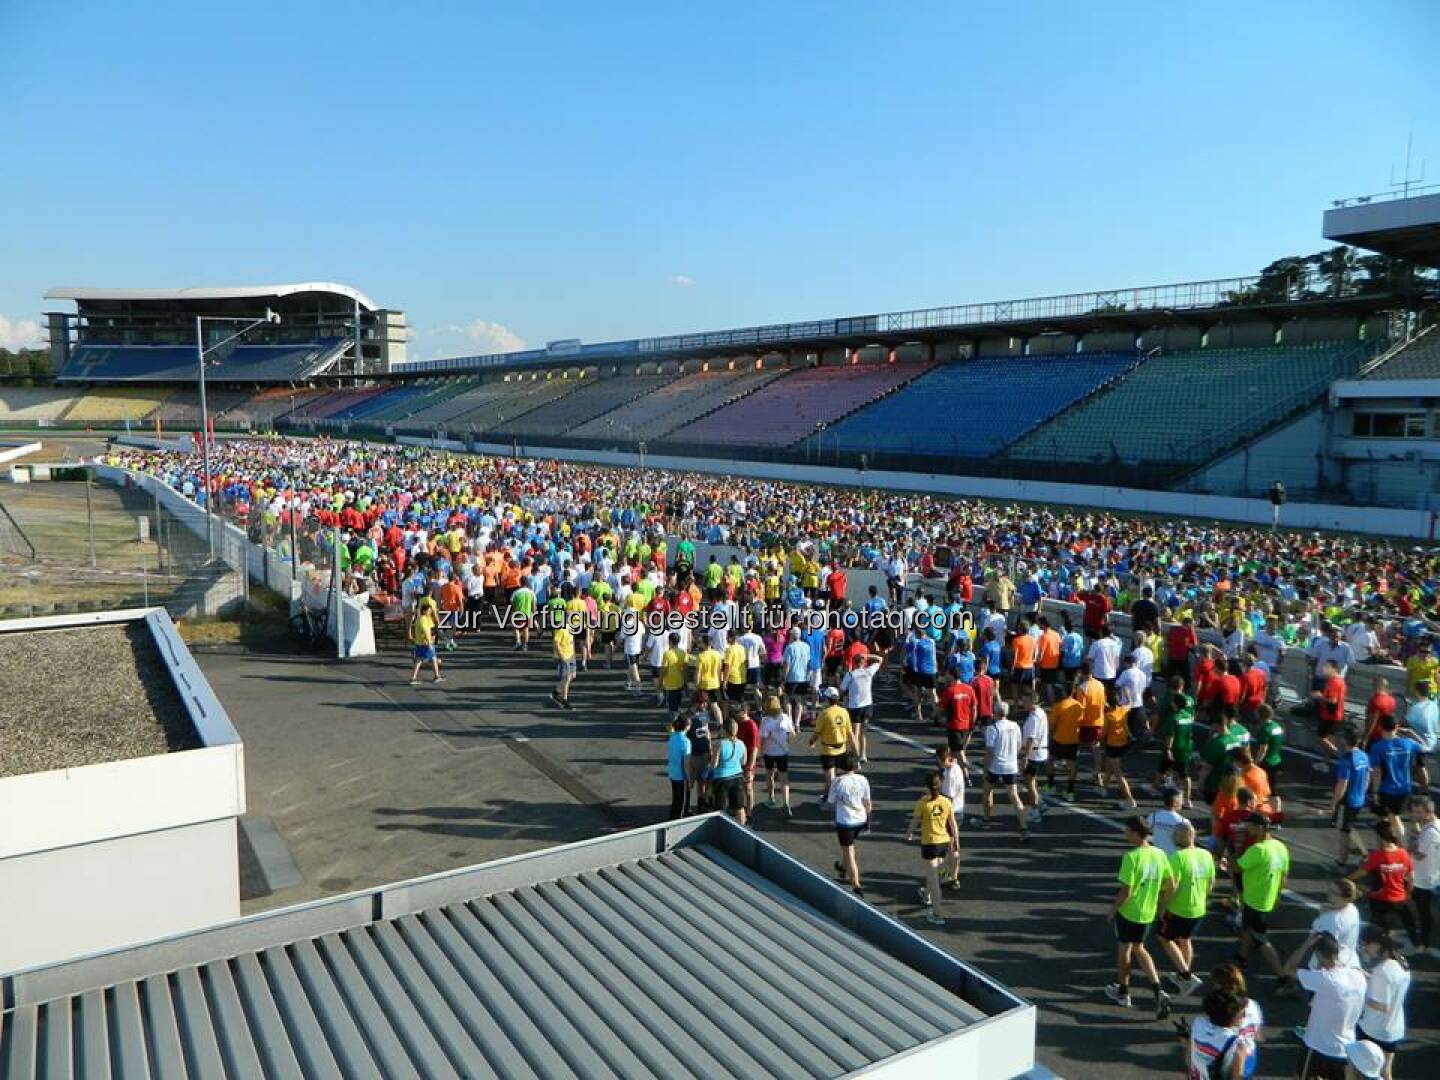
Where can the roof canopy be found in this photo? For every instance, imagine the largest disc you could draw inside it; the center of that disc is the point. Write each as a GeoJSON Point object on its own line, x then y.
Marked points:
{"type": "Point", "coordinates": [237, 292]}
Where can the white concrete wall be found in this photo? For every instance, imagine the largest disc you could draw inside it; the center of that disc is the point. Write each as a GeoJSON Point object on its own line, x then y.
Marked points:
{"type": "Point", "coordinates": [354, 628]}
{"type": "Point", "coordinates": [1359, 519]}
{"type": "Point", "coordinates": [71, 902]}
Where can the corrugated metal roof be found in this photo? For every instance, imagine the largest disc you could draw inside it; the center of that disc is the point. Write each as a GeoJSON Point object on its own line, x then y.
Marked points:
{"type": "Point", "coordinates": [682, 963]}
{"type": "Point", "coordinates": [240, 292]}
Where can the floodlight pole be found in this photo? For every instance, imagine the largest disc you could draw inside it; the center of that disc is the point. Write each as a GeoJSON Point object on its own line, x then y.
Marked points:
{"type": "Point", "coordinates": [200, 351]}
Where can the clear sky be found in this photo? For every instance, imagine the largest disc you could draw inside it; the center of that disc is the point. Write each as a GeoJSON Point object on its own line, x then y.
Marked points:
{"type": "Point", "coordinates": [513, 173]}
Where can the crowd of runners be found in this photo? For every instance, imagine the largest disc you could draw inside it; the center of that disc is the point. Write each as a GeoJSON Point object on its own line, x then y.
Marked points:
{"type": "Point", "coordinates": [985, 629]}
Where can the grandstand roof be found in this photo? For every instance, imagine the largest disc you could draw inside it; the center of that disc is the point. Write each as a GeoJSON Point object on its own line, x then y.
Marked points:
{"type": "Point", "coordinates": [236, 292]}
{"type": "Point", "coordinates": [581, 960]}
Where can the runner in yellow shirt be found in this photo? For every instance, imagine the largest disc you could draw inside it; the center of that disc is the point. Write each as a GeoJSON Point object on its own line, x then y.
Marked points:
{"type": "Point", "coordinates": [939, 836]}
{"type": "Point", "coordinates": [834, 735]}
{"type": "Point", "coordinates": [734, 663]}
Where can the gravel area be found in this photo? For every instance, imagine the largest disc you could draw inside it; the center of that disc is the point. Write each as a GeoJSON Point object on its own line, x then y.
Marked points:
{"type": "Point", "coordinates": [83, 696]}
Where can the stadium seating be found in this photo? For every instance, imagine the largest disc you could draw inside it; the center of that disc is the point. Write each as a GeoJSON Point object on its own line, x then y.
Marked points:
{"type": "Point", "coordinates": [680, 400]}
{"type": "Point", "coordinates": [333, 405]}
{"type": "Point", "coordinates": [973, 408]}
{"type": "Point", "coordinates": [115, 405]}
{"type": "Point", "coordinates": [33, 405]}
{"type": "Point", "coordinates": [592, 401]}
{"type": "Point", "coordinates": [1184, 407]}
{"type": "Point", "coordinates": [176, 363]}
{"type": "Point", "coordinates": [450, 398]}
{"type": "Point", "coordinates": [1420, 359]}
{"type": "Point", "coordinates": [514, 399]}
{"type": "Point", "coordinates": [427, 394]}
{"type": "Point", "coordinates": [182, 411]}
{"type": "Point", "coordinates": [790, 409]}
{"type": "Point", "coordinates": [262, 409]}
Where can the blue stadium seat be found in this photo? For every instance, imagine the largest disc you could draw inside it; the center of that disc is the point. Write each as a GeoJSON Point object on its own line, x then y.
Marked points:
{"type": "Point", "coordinates": [974, 408]}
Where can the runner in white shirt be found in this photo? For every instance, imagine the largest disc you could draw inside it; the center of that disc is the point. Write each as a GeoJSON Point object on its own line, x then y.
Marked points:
{"type": "Point", "coordinates": [1104, 657]}
{"type": "Point", "coordinates": [1034, 749]}
{"type": "Point", "coordinates": [1339, 998]}
{"type": "Point", "coordinates": [857, 687]}
{"type": "Point", "coordinates": [754, 646]}
{"type": "Point", "coordinates": [1216, 1034]}
{"type": "Point", "coordinates": [1382, 1021]}
{"type": "Point", "coordinates": [1144, 663]}
{"type": "Point", "coordinates": [850, 795]}
{"type": "Point", "coordinates": [1166, 820]}
{"type": "Point", "coordinates": [655, 647]}
{"type": "Point", "coordinates": [1002, 764]}
{"type": "Point", "coordinates": [952, 786]}
{"type": "Point", "coordinates": [776, 731]}
{"type": "Point", "coordinates": [1425, 854]}
{"type": "Point", "coordinates": [632, 637]}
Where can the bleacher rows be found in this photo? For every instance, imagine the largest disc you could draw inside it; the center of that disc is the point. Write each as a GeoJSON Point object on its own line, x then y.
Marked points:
{"type": "Point", "coordinates": [1178, 407]}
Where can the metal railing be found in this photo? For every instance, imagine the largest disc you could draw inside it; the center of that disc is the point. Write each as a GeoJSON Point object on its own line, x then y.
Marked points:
{"type": "Point", "coordinates": [1183, 296]}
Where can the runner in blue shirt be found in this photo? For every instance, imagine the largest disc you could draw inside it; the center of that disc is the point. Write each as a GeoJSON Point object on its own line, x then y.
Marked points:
{"type": "Point", "coordinates": [1352, 782]}
{"type": "Point", "coordinates": [1392, 762]}
{"type": "Point", "coordinates": [922, 679]}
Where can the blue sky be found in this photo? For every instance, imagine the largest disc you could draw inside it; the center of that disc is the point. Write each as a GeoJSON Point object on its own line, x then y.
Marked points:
{"type": "Point", "coordinates": [513, 173]}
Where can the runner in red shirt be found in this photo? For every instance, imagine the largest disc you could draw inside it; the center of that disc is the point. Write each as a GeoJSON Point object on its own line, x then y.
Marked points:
{"type": "Point", "coordinates": [1380, 706]}
{"type": "Point", "coordinates": [838, 582]}
{"type": "Point", "coordinates": [1254, 687]}
{"type": "Point", "coordinates": [1392, 875]}
{"type": "Point", "coordinates": [1179, 643]}
{"type": "Point", "coordinates": [984, 687]}
{"type": "Point", "coordinates": [959, 706]}
{"type": "Point", "coordinates": [1330, 706]}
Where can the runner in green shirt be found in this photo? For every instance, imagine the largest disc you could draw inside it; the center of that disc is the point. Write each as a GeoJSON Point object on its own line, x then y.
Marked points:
{"type": "Point", "coordinates": [1176, 732]}
{"type": "Point", "coordinates": [1270, 735]}
{"type": "Point", "coordinates": [522, 604]}
{"type": "Point", "coordinates": [1263, 869]}
{"type": "Point", "coordinates": [1144, 872]}
{"type": "Point", "coordinates": [1225, 735]}
{"type": "Point", "coordinates": [1192, 871]}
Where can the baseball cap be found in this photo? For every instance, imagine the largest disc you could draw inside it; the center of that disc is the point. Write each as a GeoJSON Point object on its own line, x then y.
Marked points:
{"type": "Point", "coordinates": [830, 692]}
{"type": "Point", "coordinates": [1365, 1057]}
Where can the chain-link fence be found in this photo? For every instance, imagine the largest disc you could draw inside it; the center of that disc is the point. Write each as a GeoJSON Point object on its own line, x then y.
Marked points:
{"type": "Point", "coordinates": [72, 544]}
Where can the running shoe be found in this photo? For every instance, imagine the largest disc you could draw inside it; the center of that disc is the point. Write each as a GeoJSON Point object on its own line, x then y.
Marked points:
{"type": "Point", "coordinates": [933, 919]}
{"type": "Point", "coordinates": [439, 678]}
{"type": "Point", "coordinates": [1120, 997]}
{"type": "Point", "coordinates": [414, 682]}
{"type": "Point", "coordinates": [924, 895]}
{"type": "Point", "coordinates": [1162, 1005]}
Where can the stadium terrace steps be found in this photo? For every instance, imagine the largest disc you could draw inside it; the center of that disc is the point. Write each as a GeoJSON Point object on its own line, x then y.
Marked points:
{"type": "Point", "coordinates": [115, 404]}
{"type": "Point", "coordinates": [34, 404]}
{"type": "Point", "coordinates": [1417, 359]}
{"type": "Point", "coordinates": [176, 363]}
{"type": "Point", "coordinates": [332, 404]}
{"type": "Point", "coordinates": [428, 393]}
{"type": "Point", "coordinates": [264, 408]}
{"type": "Point", "coordinates": [515, 399]}
{"type": "Point", "coordinates": [789, 410]}
{"type": "Point", "coordinates": [974, 408]}
{"type": "Point", "coordinates": [452, 398]}
{"type": "Point", "coordinates": [681, 400]}
{"type": "Point", "coordinates": [592, 401]}
{"type": "Point", "coordinates": [1181, 408]}
{"type": "Point", "coordinates": [182, 411]}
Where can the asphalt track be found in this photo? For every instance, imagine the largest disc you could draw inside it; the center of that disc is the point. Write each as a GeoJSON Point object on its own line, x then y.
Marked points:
{"type": "Point", "coordinates": [368, 779]}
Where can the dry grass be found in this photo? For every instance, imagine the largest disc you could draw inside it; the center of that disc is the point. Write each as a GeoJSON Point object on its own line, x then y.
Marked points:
{"type": "Point", "coordinates": [85, 696]}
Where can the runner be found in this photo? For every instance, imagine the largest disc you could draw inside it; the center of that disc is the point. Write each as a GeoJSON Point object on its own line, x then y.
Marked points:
{"type": "Point", "coordinates": [1339, 999]}
{"type": "Point", "coordinates": [677, 754]}
{"type": "Point", "coordinates": [1034, 750]}
{"type": "Point", "coordinates": [1065, 720]}
{"type": "Point", "coordinates": [939, 837]}
{"type": "Point", "coordinates": [1002, 764]}
{"type": "Point", "coordinates": [857, 688]}
{"type": "Point", "coordinates": [958, 705]}
{"type": "Point", "coordinates": [776, 731]}
{"type": "Point", "coordinates": [1382, 1021]}
{"type": "Point", "coordinates": [728, 759]}
{"type": "Point", "coordinates": [834, 737]}
{"type": "Point", "coordinates": [1184, 900]}
{"type": "Point", "coordinates": [1425, 853]}
{"type": "Point", "coordinates": [1263, 867]}
{"type": "Point", "coordinates": [1117, 745]}
{"type": "Point", "coordinates": [851, 796]}
{"type": "Point", "coordinates": [1144, 873]}
{"type": "Point", "coordinates": [952, 786]}
{"type": "Point", "coordinates": [1352, 775]}
{"type": "Point", "coordinates": [1392, 875]}
{"type": "Point", "coordinates": [422, 640]}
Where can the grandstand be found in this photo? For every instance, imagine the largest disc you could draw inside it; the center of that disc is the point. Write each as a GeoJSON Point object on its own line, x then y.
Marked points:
{"type": "Point", "coordinates": [149, 335]}
{"type": "Point", "coordinates": [1419, 359]}
{"type": "Point", "coordinates": [974, 408]}
{"type": "Point", "coordinates": [25, 406]}
{"type": "Point", "coordinates": [596, 399]}
{"type": "Point", "coordinates": [116, 405]}
{"type": "Point", "coordinates": [261, 410]}
{"type": "Point", "coordinates": [677, 402]}
{"type": "Point", "coordinates": [181, 411]}
{"type": "Point", "coordinates": [1178, 408]}
{"type": "Point", "coordinates": [788, 410]}
{"type": "Point", "coordinates": [494, 403]}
